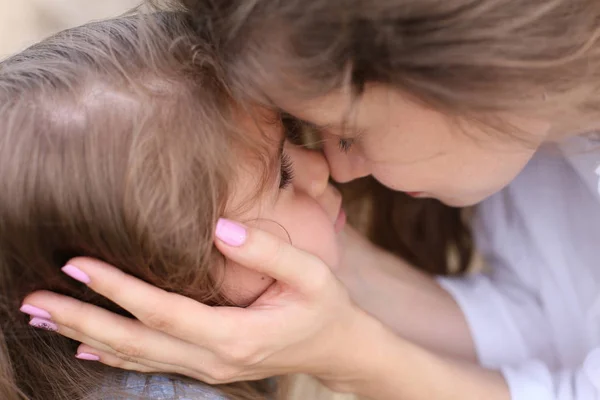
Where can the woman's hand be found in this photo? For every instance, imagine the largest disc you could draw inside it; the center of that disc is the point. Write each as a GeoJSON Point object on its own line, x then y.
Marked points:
{"type": "Point", "coordinates": [305, 322]}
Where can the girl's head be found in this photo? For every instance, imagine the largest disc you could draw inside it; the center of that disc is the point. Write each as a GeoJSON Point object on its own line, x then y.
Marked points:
{"type": "Point", "coordinates": [446, 98]}
{"type": "Point", "coordinates": [119, 140]}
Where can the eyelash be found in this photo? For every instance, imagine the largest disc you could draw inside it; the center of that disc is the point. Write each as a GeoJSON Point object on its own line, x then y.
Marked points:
{"type": "Point", "coordinates": [287, 171]}
{"type": "Point", "coordinates": [345, 144]}
{"type": "Point", "coordinates": [293, 128]}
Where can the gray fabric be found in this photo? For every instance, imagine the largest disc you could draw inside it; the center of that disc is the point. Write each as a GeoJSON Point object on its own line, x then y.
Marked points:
{"type": "Point", "coordinates": [159, 387]}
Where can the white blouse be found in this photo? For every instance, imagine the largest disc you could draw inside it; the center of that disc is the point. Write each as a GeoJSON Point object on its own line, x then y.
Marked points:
{"type": "Point", "coordinates": [535, 314]}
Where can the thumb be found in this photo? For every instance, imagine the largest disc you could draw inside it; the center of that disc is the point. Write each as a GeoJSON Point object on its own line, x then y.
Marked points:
{"type": "Point", "coordinates": [268, 254]}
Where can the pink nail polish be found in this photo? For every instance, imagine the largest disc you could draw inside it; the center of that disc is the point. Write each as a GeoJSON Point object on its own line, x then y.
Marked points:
{"type": "Point", "coordinates": [87, 357]}
{"type": "Point", "coordinates": [76, 273]}
{"type": "Point", "coordinates": [35, 311]}
{"type": "Point", "coordinates": [230, 232]}
{"type": "Point", "coordinates": [44, 324]}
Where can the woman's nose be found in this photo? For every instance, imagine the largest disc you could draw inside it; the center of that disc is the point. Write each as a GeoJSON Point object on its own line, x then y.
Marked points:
{"type": "Point", "coordinates": [311, 172]}
{"type": "Point", "coordinates": [345, 167]}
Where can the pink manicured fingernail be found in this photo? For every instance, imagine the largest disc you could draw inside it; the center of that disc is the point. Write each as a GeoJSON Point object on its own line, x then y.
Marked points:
{"type": "Point", "coordinates": [76, 273]}
{"type": "Point", "coordinates": [230, 232]}
{"type": "Point", "coordinates": [44, 324]}
{"type": "Point", "coordinates": [35, 312]}
{"type": "Point", "coordinates": [87, 357]}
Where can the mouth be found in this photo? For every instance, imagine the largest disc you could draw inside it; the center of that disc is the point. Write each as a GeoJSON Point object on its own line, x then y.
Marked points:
{"type": "Point", "coordinates": [415, 194]}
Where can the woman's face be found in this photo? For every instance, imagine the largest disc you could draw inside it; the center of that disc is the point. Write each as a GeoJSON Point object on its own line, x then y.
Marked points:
{"type": "Point", "coordinates": [411, 148]}
{"type": "Point", "coordinates": [298, 204]}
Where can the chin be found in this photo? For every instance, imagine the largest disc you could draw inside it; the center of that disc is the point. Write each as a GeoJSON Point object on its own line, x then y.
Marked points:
{"type": "Point", "coordinates": [466, 200]}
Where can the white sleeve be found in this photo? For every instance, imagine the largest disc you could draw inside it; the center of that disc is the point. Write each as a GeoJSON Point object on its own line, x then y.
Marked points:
{"type": "Point", "coordinates": [504, 317]}
{"type": "Point", "coordinates": [534, 381]}
{"type": "Point", "coordinates": [505, 322]}
{"type": "Point", "coordinates": [507, 318]}
{"type": "Point", "coordinates": [513, 320]}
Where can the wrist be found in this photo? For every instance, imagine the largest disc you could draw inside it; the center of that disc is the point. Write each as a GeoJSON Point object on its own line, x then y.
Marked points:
{"type": "Point", "coordinates": [360, 351]}
{"type": "Point", "coordinates": [387, 366]}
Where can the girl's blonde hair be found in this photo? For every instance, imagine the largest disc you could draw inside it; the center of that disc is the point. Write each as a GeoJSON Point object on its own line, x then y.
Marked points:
{"type": "Point", "coordinates": [116, 142]}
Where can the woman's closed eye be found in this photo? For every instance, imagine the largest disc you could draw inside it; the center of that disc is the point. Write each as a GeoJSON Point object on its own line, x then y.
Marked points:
{"type": "Point", "coordinates": [293, 129]}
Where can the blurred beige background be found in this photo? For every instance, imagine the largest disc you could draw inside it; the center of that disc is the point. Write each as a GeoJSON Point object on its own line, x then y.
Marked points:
{"type": "Point", "coordinates": [23, 22]}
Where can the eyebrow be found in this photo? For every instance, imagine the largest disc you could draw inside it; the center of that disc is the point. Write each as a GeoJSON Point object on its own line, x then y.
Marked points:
{"type": "Point", "coordinates": [355, 132]}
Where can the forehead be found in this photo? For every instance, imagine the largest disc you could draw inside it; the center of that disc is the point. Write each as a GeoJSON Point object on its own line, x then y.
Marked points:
{"type": "Point", "coordinates": [256, 157]}
{"type": "Point", "coordinates": [341, 112]}
{"type": "Point", "coordinates": [333, 108]}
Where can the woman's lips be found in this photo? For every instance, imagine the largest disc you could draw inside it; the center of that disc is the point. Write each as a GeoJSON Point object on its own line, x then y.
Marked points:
{"type": "Point", "coordinates": [414, 194]}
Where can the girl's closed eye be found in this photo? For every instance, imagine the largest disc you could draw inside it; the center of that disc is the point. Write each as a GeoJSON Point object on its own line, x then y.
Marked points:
{"type": "Point", "coordinates": [287, 171]}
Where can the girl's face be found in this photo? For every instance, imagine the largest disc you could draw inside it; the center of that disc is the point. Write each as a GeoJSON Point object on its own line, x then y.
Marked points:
{"type": "Point", "coordinates": [411, 148]}
{"type": "Point", "coordinates": [298, 204]}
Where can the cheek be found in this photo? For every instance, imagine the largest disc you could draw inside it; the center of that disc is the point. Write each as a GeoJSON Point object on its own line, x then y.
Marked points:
{"type": "Point", "coordinates": [492, 174]}
{"type": "Point", "coordinates": [310, 229]}
{"type": "Point", "coordinates": [242, 285]}
{"type": "Point", "coordinates": [404, 178]}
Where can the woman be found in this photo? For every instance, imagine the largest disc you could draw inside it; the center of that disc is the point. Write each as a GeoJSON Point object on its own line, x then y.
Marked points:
{"type": "Point", "coordinates": [486, 101]}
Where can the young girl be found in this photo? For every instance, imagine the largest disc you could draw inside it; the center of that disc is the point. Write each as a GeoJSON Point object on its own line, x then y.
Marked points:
{"type": "Point", "coordinates": [119, 140]}
{"type": "Point", "coordinates": [462, 101]}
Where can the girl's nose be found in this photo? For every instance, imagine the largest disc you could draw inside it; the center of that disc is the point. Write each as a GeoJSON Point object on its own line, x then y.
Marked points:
{"type": "Point", "coordinates": [311, 172]}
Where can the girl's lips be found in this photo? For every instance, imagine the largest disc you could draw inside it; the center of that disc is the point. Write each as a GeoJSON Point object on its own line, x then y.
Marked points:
{"type": "Point", "coordinates": [414, 194]}
{"type": "Point", "coordinates": [340, 221]}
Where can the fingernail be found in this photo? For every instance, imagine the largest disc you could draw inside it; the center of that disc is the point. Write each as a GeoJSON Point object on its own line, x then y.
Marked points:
{"type": "Point", "coordinates": [76, 273]}
{"type": "Point", "coordinates": [230, 232]}
{"type": "Point", "coordinates": [35, 311]}
{"type": "Point", "coordinates": [87, 357]}
{"type": "Point", "coordinates": [44, 324]}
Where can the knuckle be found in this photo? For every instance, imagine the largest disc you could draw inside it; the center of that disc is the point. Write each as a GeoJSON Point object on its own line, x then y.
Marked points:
{"type": "Point", "coordinates": [119, 362]}
{"type": "Point", "coordinates": [159, 314]}
{"type": "Point", "coordinates": [271, 253]}
{"type": "Point", "coordinates": [239, 353]}
{"type": "Point", "coordinates": [157, 320]}
{"type": "Point", "coordinates": [321, 280]}
{"type": "Point", "coordinates": [77, 317]}
{"type": "Point", "coordinates": [224, 374]}
{"type": "Point", "coordinates": [128, 350]}
{"type": "Point", "coordinates": [128, 361]}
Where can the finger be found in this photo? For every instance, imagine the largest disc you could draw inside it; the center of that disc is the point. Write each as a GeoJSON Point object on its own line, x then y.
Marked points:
{"type": "Point", "coordinates": [87, 341]}
{"type": "Point", "coordinates": [123, 336]}
{"type": "Point", "coordinates": [89, 353]}
{"type": "Point", "coordinates": [156, 308]}
{"type": "Point", "coordinates": [268, 254]}
{"type": "Point", "coordinates": [215, 371]}
{"type": "Point", "coordinates": [80, 337]}
{"type": "Point", "coordinates": [91, 350]}
{"type": "Point", "coordinates": [107, 357]}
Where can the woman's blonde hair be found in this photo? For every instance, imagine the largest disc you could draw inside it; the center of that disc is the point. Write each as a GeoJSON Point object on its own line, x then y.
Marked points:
{"type": "Point", "coordinates": [117, 142]}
